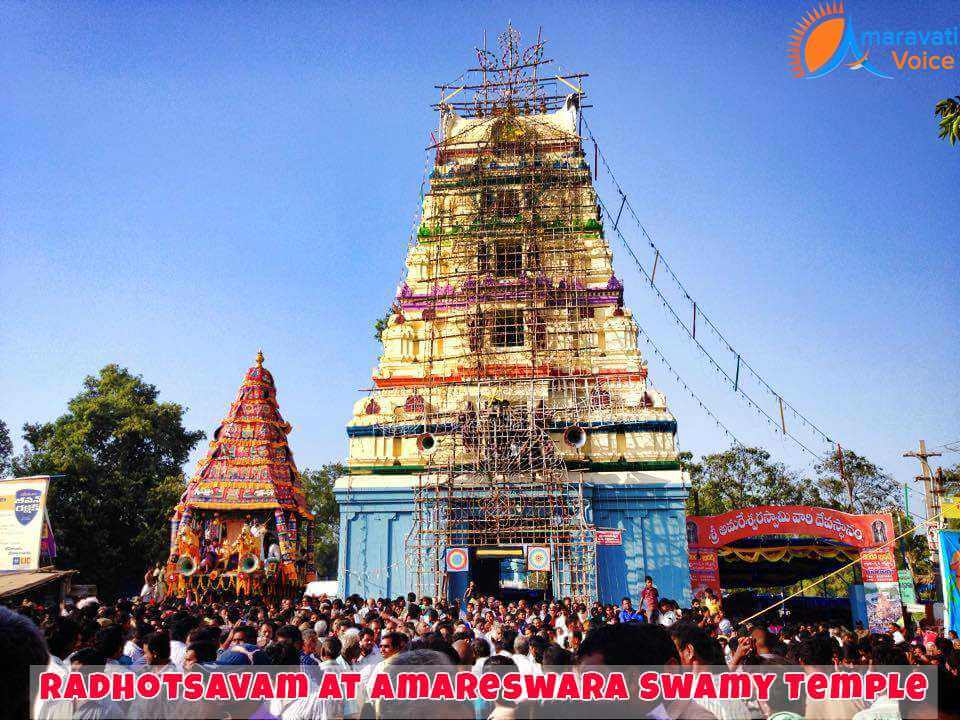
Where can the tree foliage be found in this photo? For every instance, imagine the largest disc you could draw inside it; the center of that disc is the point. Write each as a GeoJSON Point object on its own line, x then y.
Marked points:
{"type": "Point", "coordinates": [948, 110]}
{"type": "Point", "coordinates": [914, 547]}
{"type": "Point", "coordinates": [743, 477]}
{"type": "Point", "coordinates": [951, 479]}
{"type": "Point", "coordinates": [382, 324]}
{"type": "Point", "coordinates": [864, 487]}
{"type": "Point", "coordinates": [6, 450]}
{"type": "Point", "coordinates": [117, 453]}
{"type": "Point", "coordinates": [318, 486]}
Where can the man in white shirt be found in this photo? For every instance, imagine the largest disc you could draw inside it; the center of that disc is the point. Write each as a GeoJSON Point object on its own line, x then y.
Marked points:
{"type": "Point", "coordinates": [391, 645]}
{"type": "Point", "coordinates": [667, 615]}
{"type": "Point", "coordinates": [156, 650]}
{"type": "Point", "coordinates": [370, 607]}
{"type": "Point", "coordinates": [369, 652]}
{"type": "Point", "coordinates": [178, 645]}
{"type": "Point", "coordinates": [896, 633]}
{"type": "Point", "coordinates": [723, 624]}
{"type": "Point", "coordinates": [88, 660]}
{"type": "Point", "coordinates": [135, 653]}
{"type": "Point", "coordinates": [697, 653]}
{"type": "Point", "coordinates": [332, 661]}
{"type": "Point", "coordinates": [521, 656]}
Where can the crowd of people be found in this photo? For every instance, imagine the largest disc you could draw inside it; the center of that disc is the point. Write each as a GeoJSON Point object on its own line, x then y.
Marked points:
{"type": "Point", "coordinates": [479, 634]}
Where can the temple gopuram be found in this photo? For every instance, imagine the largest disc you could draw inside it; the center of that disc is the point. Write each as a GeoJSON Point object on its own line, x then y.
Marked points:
{"type": "Point", "coordinates": [242, 526]}
{"type": "Point", "coordinates": [511, 442]}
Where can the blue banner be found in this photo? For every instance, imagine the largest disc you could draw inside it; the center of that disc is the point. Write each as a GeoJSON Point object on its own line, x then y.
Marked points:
{"type": "Point", "coordinates": [950, 574]}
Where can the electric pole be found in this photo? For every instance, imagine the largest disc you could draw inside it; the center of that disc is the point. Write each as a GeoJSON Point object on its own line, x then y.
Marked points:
{"type": "Point", "coordinates": [932, 490]}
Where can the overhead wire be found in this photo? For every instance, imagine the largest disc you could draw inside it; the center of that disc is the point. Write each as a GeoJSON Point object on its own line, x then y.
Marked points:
{"type": "Point", "coordinates": [704, 351]}
{"type": "Point", "coordinates": [660, 261]}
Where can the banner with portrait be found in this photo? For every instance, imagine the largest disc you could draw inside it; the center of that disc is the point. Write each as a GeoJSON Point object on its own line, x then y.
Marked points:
{"type": "Point", "coordinates": [881, 588]}
{"type": "Point", "coordinates": [704, 571]}
{"type": "Point", "coordinates": [23, 502]}
{"type": "Point", "coordinates": [949, 571]}
{"type": "Point", "coordinates": [861, 531]}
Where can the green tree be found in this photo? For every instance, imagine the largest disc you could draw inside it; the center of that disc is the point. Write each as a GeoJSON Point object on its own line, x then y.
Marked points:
{"type": "Point", "coordinates": [948, 110]}
{"type": "Point", "coordinates": [742, 477]}
{"type": "Point", "coordinates": [6, 451]}
{"type": "Point", "coordinates": [951, 479]}
{"type": "Point", "coordinates": [318, 486]}
{"type": "Point", "coordinates": [695, 472]}
{"type": "Point", "coordinates": [913, 547]}
{"type": "Point", "coordinates": [951, 488]}
{"type": "Point", "coordinates": [864, 487]}
{"type": "Point", "coordinates": [118, 452]}
{"type": "Point", "coordinates": [382, 324]}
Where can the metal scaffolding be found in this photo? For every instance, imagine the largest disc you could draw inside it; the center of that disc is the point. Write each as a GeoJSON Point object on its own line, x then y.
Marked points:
{"type": "Point", "coordinates": [510, 329]}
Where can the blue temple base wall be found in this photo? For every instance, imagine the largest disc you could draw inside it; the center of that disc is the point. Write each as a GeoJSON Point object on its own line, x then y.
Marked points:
{"type": "Point", "coordinates": [375, 522]}
{"type": "Point", "coordinates": [653, 524]}
{"type": "Point", "coordinates": [374, 526]}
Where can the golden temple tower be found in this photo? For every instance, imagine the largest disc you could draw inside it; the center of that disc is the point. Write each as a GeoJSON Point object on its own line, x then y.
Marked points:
{"type": "Point", "coordinates": [510, 385]}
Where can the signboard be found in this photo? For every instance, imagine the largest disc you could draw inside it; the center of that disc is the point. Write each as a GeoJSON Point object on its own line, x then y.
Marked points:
{"type": "Point", "coordinates": [881, 588]}
{"type": "Point", "coordinates": [608, 537]}
{"type": "Point", "coordinates": [458, 559]}
{"type": "Point", "coordinates": [908, 593]}
{"type": "Point", "coordinates": [949, 571]}
{"type": "Point", "coordinates": [862, 531]}
{"type": "Point", "coordinates": [704, 571]}
{"type": "Point", "coordinates": [23, 502]}
{"type": "Point", "coordinates": [879, 565]}
{"type": "Point", "coordinates": [538, 558]}
{"type": "Point", "coordinates": [883, 605]}
{"type": "Point", "coordinates": [950, 506]}
{"type": "Point", "coordinates": [500, 551]}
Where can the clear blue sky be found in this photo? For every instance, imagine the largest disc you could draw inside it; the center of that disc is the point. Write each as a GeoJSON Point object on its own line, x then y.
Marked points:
{"type": "Point", "coordinates": [182, 183]}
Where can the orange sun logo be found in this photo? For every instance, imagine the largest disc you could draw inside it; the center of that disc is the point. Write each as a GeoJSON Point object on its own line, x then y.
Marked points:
{"type": "Point", "coordinates": [816, 39]}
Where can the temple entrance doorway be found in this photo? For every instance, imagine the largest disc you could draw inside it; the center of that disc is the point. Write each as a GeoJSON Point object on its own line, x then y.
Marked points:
{"type": "Point", "coordinates": [501, 571]}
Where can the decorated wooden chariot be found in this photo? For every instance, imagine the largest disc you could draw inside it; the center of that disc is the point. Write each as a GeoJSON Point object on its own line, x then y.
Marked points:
{"type": "Point", "coordinates": [242, 527]}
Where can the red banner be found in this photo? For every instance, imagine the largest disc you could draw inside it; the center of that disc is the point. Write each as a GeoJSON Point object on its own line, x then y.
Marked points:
{"type": "Point", "coordinates": [879, 565]}
{"type": "Point", "coordinates": [608, 537]}
{"type": "Point", "coordinates": [704, 572]}
{"type": "Point", "coordinates": [862, 531]}
{"type": "Point", "coordinates": [881, 588]}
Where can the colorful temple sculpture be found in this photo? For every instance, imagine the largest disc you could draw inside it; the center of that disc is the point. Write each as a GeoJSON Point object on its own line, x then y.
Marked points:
{"type": "Point", "coordinates": [511, 439]}
{"type": "Point", "coordinates": [242, 526]}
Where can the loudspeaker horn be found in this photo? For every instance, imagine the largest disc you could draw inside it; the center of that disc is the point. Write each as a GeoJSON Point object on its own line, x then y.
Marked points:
{"type": "Point", "coordinates": [426, 443]}
{"type": "Point", "coordinates": [249, 563]}
{"type": "Point", "coordinates": [575, 437]}
{"type": "Point", "coordinates": [187, 566]}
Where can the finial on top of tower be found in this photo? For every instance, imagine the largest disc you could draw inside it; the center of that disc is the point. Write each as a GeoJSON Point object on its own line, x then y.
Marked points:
{"type": "Point", "coordinates": [510, 75]}
{"type": "Point", "coordinates": [260, 358]}
{"type": "Point", "coordinates": [509, 79]}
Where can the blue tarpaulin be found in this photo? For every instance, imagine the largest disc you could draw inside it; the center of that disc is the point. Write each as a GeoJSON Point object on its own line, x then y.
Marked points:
{"type": "Point", "coordinates": [949, 570]}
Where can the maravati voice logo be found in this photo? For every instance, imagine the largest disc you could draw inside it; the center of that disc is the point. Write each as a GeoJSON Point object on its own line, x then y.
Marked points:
{"type": "Point", "coordinates": [822, 40]}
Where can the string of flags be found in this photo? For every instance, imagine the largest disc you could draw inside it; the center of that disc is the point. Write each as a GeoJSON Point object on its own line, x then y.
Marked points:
{"type": "Point", "coordinates": [740, 368]}
{"type": "Point", "coordinates": [666, 363]}
{"type": "Point", "coordinates": [375, 572]}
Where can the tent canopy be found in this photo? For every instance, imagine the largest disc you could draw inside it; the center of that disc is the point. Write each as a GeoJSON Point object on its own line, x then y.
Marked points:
{"type": "Point", "coordinates": [780, 560]}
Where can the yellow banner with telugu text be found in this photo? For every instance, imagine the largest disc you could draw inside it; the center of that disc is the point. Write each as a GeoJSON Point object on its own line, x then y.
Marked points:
{"type": "Point", "coordinates": [950, 506]}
